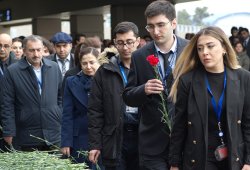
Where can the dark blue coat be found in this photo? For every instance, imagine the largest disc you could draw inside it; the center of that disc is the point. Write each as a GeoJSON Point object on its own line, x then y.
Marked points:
{"type": "Point", "coordinates": [74, 132]}
{"type": "Point", "coordinates": [25, 111]}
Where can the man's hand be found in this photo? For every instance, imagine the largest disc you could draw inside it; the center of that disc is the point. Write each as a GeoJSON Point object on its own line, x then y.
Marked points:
{"type": "Point", "coordinates": [174, 168]}
{"type": "Point", "coordinates": [65, 151]}
{"type": "Point", "coordinates": [153, 86]}
{"type": "Point", "coordinates": [246, 167]}
{"type": "Point", "coordinates": [93, 155]}
{"type": "Point", "coordinates": [8, 139]}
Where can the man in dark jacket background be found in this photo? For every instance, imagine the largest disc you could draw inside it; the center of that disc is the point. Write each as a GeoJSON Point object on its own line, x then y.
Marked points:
{"type": "Point", "coordinates": [63, 56]}
{"type": "Point", "coordinates": [6, 58]}
{"type": "Point", "coordinates": [113, 126]}
{"type": "Point", "coordinates": [32, 99]}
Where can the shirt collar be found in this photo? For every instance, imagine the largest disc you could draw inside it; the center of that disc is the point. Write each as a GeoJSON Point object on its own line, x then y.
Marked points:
{"type": "Point", "coordinates": [67, 58]}
{"type": "Point", "coordinates": [173, 48]}
{"type": "Point", "coordinates": [32, 65]}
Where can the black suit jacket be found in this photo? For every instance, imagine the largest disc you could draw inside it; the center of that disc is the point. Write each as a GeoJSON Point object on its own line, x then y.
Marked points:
{"type": "Point", "coordinates": [153, 133]}
{"type": "Point", "coordinates": [248, 48]}
{"type": "Point", "coordinates": [189, 138]}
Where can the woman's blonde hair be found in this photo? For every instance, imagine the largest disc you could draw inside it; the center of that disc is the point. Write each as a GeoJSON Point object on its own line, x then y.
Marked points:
{"type": "Point", "coordinates": [189, 59]}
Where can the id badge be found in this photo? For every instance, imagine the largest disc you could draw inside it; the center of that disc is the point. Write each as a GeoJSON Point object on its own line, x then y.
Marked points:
{"type": "Point", "coordinates": [221, 152]}
{"type": "Point", "coordinates": [131, 109]}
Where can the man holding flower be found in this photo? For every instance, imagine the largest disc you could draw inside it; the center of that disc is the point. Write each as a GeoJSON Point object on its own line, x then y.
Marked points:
{"type": "Point", "coordinates": [148, 85]}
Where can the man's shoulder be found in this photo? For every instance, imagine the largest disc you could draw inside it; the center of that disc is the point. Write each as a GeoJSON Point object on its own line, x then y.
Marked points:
{"type": "Point", "coordinates": [181, 41]}
{"type": "Point", "coordinates": [18, 64]}
{"type": "Point", "coordinates": [145, 50]}
{"type": "Point", "coordinates": [51, 57]}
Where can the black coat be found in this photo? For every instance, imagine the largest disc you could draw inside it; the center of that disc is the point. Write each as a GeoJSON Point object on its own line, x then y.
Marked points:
{"type": "Point", "coordinates": [105, 115]}
{"type": "Point", "coordinates": [9, 61]}
{"type": "Point", "coordinates": [190, 131]}
{"type": "Point", "coordinates": [153, 135]}
{"type": "Point", "coordinates": [27, 112]}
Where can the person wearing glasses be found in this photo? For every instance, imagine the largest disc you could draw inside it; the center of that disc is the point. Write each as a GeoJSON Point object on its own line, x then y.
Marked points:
{"type": "Point", "coordinates": [113, 126]}
{"type": "Point", "coordinates": [143, 88]}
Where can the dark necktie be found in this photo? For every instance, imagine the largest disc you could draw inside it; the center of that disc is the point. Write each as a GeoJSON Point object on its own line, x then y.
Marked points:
{"type": "Point", "coordinates": [245, 43]}
{"type": "Point", "coordinates": [2, 69]}
{"type": "Point", "coordinates": [165, 59]}
{"type": "Point", "coordinates": [63, 62]}
{"type": "Point", "coordinates": [167, 69]}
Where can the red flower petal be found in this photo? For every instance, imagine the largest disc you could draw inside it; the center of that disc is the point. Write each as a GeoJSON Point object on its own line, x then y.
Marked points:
{"type": "Point", "coordinates": [153, 60]}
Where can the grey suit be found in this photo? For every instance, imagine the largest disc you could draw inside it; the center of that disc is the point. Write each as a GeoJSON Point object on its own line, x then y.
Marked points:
{"type": "Point", "coordinates": [27, 112]}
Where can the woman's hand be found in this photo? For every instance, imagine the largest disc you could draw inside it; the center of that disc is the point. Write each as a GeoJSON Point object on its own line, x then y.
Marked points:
{"type": "Point", "coordinates": [246, 167]}
{"type": "Point", "coordinates": [93, 155]}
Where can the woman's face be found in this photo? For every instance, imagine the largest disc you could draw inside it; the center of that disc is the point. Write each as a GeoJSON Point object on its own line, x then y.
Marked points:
{"type": "Point", "coordinates": [238, 48]}
{"type": "Point", "coordinates": [89, 64]}
{"type": "Point", "coordinates": [211, 53]}
{"type": "Point", "coordinates": [17, 49]}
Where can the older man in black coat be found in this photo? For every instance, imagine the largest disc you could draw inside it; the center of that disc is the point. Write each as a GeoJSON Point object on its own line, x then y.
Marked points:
{"type": "Point", "coordinates": [32, 99]}
{"type": "Point", "coordinates": [6, 58]}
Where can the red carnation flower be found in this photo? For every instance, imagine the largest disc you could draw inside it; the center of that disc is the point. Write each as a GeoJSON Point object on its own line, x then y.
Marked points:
{"type": "Point", "coordinates": [153, 60]}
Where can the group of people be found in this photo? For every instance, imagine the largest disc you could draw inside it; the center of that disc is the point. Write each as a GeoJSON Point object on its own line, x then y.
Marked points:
{"type": "Point", "coordinates": [240, 41]}
{"type": "Point", "coordinates": [112, 106]}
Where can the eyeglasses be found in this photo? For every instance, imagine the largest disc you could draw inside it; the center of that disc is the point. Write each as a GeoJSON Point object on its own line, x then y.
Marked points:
{"type": "Point", "coordinates": [120, 44]}
{"type": "Point", "coordinates": [159, 26]}
{"type": "Point", "coordinates": [6, 46]}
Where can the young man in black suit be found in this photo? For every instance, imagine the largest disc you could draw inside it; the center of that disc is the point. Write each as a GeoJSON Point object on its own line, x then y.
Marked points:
{"type": "Point", "coordinates": [143, 88]}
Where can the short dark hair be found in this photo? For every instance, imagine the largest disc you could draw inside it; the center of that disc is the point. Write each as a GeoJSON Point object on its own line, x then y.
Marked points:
{"type": "Point", "coordinates": [234, 29]}
{"type": "Point", "coordinates": [124, 27]}
{"type": "Point", "coordinates": [161, 7]}
{"type": "Point", "coordinates": [245, 29]}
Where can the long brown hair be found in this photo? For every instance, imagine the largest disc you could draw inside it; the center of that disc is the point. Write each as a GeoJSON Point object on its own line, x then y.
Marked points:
{"type": "Point", "coordinates": [189, 58]}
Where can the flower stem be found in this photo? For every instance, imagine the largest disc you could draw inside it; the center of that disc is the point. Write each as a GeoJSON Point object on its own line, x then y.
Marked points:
{"type": "Point", "coordinates": [165, 119]}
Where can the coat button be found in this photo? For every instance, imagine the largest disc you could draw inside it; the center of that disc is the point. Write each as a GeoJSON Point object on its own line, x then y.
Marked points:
{"type": "Point", "coordinates": [239, 121]}
{"type": "Point", "coordinates": [194, 142]}
{"type": "Point", "coordinates": [237, 159]}
{"type": "Point", "coordinates": [189, 123]}
{"type": "Point", "coordinates": [193, 161]}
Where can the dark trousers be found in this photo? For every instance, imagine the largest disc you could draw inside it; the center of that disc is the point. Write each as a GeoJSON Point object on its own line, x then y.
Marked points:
{"type": "Point", "coordinates": [129, 159]}
{"type": "Point", "coordinates": [154, 162]}
{"type": "Point", "coordinates": [216, 165]}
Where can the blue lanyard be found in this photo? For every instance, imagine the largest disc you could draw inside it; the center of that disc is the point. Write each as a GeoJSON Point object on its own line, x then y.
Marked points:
{"type": "Point", "coordinates": [218, 108]}
{"type": "Point", "coordinates": [168, 70]}
{"type": "Point", "coordinates": [124, 77]}
{"type": "Point", "coordinates": [39, 83]}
